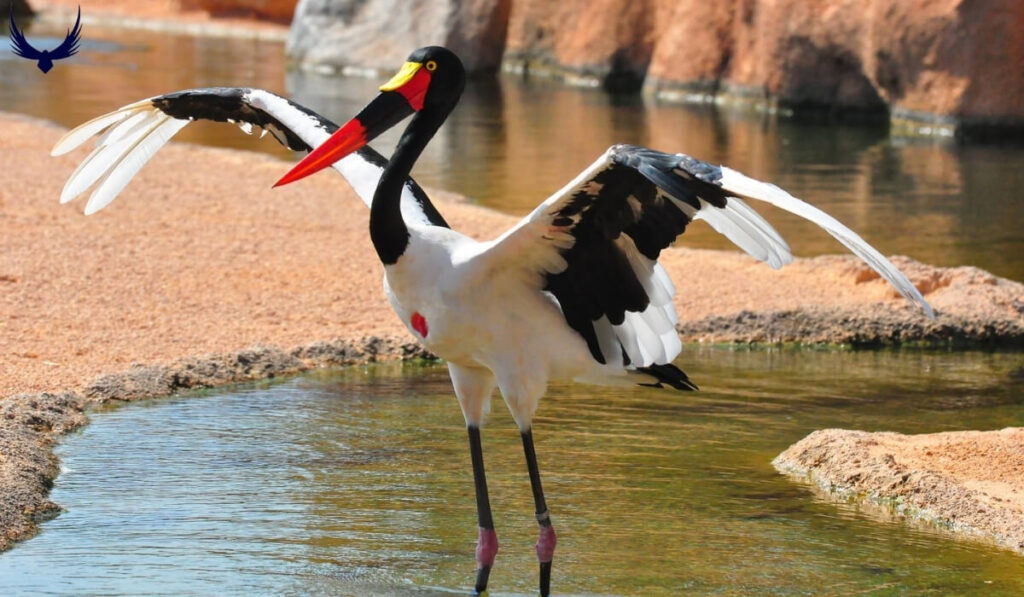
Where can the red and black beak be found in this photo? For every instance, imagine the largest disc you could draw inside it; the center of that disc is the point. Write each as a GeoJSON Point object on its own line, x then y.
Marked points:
{"type": "Point", "coordinates": [400, 97]}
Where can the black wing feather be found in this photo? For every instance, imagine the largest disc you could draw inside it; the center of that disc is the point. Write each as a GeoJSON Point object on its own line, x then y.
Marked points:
{"type": "Point", "coordinates": [224, 104]}
{"type": "Point", "coordinates": [628, 197]}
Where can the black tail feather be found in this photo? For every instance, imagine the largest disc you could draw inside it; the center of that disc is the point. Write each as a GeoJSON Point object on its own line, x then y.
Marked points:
{"type": "Point", "coordinates": [668, 374]}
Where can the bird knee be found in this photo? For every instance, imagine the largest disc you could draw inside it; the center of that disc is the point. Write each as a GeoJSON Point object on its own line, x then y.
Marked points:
{"type": "Point", "coordinates": [546, 543]}
{"type": "Point", "coordinates": [486, 547]}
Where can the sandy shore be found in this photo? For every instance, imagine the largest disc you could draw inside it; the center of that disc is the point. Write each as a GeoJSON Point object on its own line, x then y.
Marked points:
{"type": "Point", "coordinates": [200, 274]}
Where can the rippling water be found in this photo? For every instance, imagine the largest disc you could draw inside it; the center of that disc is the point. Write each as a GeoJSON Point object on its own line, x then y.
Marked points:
{"type": "Point", "coordinates": [512, 142]}
{"type": "Point", "coordinates": [358, 482]}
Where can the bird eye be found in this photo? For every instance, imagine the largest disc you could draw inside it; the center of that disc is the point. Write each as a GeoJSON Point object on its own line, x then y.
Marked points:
{"type": "Point", "coordinates": [431, 65]}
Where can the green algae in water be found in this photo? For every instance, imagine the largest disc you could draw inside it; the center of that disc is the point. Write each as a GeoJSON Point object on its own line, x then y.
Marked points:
{"type": "Point", "coordinates": [358, 482]}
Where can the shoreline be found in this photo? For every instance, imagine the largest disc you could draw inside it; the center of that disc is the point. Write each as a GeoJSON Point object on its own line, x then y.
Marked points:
{"type": "Point", "coordinates": [32, 424]}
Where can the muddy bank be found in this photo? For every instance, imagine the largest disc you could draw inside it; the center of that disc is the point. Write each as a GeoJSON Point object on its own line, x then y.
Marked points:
{"type": "Point", "coordinates": [971, 482]}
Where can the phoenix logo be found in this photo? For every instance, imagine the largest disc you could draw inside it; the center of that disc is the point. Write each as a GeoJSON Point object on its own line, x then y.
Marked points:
{"type": "Point", "coordinates": [45, 59]}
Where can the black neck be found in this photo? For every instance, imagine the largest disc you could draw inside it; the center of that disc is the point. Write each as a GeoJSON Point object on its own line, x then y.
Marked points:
{"type": "Point", "coordinates": [388, 231]}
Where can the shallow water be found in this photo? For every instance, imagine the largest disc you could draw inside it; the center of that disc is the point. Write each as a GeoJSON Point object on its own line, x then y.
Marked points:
{"type": "Point", "coordinates": [512, 142]}
{"type": "Point", "coordinates": [357, 482]}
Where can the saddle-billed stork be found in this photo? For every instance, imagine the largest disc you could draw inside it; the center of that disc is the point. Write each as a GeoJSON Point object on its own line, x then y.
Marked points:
{"type": "Point", "coordinates": [573, 292]}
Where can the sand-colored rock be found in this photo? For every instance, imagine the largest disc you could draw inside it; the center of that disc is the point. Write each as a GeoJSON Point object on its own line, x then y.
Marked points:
{"type": "Point", "coordinates": [380, 34]}
{"type": "Point", "coordinates": [969, 481]}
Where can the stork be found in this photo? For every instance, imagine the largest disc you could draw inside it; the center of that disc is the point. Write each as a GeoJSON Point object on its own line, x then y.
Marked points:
{"type": "Point", "coordinates": [572, 292]}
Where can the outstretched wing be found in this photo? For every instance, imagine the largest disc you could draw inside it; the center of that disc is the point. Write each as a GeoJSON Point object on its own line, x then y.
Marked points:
{"type": "Point", "coordinates": [69, 47]}
{"type": "Point", "coordinates": [594, 245]}
{"type": "Point", "coordinates": [19, 44]}
{"type": "Point", "coordinates": [131, 135]}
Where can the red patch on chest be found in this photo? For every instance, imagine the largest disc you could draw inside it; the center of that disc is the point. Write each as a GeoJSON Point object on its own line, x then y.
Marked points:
{"type": "Point", "coordinates": [419, 323]}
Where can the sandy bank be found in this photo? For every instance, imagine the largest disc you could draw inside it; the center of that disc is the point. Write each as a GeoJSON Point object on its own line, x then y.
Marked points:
{"type": "Point", "coordinates": [969, 481]}
{"type": "Point", "coordinates": [200, 257]}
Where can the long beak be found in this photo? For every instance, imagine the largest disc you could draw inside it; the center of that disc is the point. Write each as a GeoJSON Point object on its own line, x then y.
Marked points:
{"type": "Point", "coordinates": [400, 97]}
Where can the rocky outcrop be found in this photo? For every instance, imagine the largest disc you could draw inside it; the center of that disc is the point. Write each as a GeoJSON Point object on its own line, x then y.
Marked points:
{"type": "Point", "coordinates": [280, 11]}
{"type": "Point", "coordinates": [379, 34]}
{"type": "Point", "coordinates": [969, 482]}
{"type": "Point", "coordinates": [606, 41]}
{"type": "Point", "coordinates": [955, 62]}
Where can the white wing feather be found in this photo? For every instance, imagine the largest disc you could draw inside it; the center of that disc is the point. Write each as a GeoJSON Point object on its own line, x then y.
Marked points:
{"type": "Point", "coordinates": [83, 132]}
{"type": "Point", "coordinates": [734, 182]}
{"type": "Point", "coordinates": [122, 132]}
{"type": "Point", "coordinates": [141, 147]}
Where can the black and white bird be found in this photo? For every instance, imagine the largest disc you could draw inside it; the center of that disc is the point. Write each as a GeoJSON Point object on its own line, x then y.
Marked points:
{"type": "Point", "coordinates": [573, 292]}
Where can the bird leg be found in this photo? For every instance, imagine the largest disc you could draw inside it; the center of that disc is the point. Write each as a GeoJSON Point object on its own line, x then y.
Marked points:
{"type": "Point", "coordinates": [546, 540]}
{"type": "Point", "coordinates": [487, 543]}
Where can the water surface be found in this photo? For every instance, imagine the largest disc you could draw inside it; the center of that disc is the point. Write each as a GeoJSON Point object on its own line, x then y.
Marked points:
{"type": "Point", "coordinates": [357, 482]}
{"type": "Point", "coordinates": [512, 142]}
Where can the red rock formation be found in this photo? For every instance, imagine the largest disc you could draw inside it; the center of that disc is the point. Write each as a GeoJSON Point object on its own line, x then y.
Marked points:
{"type": "Point", "coordinates": [280, 11]}
{"type": "Point", "coordinates": [606, 40]}
{"type": "Point", "coordinates": [959, 61]}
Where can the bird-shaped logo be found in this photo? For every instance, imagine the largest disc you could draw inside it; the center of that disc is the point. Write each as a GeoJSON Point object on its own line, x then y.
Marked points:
{"type": "Point", "coordinates": [69, 47]}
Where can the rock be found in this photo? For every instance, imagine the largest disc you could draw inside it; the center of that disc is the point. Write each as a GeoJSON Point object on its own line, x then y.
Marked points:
{"type": "Point", "coordinates": [280, 11]}
{"type": "Point", "coordinates": [602, 41]}
{"type": "Point", "coordinates": [969, 482]}
{"type": "Point", "coordinates": [949, 62]}
{"type": "Point", "coordinates": [380, 34]}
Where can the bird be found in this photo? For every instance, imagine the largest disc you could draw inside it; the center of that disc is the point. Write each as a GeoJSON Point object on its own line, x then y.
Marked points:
{"type": "Point", "coordinates": [572, 292]}
{"type": "Point", "coordinates": [45, 58]}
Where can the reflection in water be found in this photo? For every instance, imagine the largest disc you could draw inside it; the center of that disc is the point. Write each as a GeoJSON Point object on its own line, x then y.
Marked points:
{"type": "Point", "coordinates": [512, 142]}
{"type": "Point", "coordinates": [358, 482]}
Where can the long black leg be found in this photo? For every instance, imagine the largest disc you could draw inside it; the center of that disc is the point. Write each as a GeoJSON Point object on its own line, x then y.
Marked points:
{"type": "Point", "coordinates": [546, 541]}
{"type": "Point", "coordinates": [487, 543]}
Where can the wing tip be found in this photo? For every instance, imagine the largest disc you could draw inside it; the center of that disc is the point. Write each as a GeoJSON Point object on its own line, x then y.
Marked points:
{"type": "Point", "coordinates": [669, 374]}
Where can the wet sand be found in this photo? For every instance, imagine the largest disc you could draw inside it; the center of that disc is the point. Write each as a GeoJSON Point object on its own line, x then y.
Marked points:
{"type": "Point", "coordinates": [201, 275]}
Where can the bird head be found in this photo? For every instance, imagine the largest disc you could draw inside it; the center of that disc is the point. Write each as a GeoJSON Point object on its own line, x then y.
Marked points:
{"type": "Point", "coordinates": [431, 80]}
